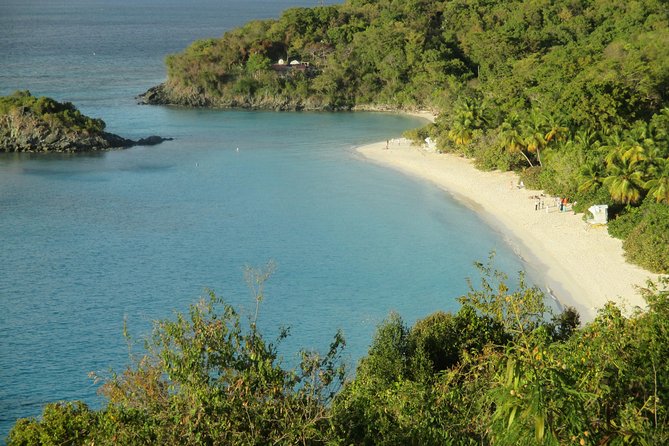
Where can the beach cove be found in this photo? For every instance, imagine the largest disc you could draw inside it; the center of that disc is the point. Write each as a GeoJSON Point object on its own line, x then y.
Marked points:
{"type": "Point", "coordinates": [580, 265]}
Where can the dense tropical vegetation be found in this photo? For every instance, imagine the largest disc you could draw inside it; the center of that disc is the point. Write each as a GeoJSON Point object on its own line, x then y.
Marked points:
{"type": "Point", "coordinates": [573, 93]}
{"type": "Point", "coordinates": [500, 371]}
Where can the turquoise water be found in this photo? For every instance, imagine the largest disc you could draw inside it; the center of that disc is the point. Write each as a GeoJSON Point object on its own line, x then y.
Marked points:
{"type": "Point", "coordinates": [90, 240]}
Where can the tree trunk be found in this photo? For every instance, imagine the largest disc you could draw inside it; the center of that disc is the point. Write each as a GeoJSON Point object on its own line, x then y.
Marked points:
{"type": "Point", "coordinates": [527, 158]}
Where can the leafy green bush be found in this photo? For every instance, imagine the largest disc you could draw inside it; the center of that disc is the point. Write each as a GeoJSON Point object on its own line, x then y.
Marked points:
{"type": "Point", "coordinates": [531, 177]}
{"type": "Point", "coordinates": [600, 195]}
{"type": "Point", "coordinates": [444, 338]}
{"type": "Point", "coordinates": [20, 98]}
{"type": "Point", "coordinates": [563, 325]}
{"type": "Point", "coordinates": [647, 244]}
{"type": "Point", "coordinates": [645, 234]}
{"type": "Point", "coordinates": [418, 135]}
{"type": "Point", "coordinates": [61, 423]}
{"type": "Point", "coordinates": [624, 224]}
{"type": "Point", "coordinates": [490, 156]}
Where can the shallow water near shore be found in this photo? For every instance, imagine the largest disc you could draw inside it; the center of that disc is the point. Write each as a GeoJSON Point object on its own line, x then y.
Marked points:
{"type": "Point", "coordinates": [89, 240]}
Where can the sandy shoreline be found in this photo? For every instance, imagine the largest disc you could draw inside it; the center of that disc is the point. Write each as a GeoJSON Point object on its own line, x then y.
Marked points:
{"type": "Point", "coordinates": [582, 265]}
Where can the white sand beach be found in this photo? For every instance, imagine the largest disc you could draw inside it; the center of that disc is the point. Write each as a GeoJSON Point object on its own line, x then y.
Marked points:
{"type": "Point", "coordinates": [580, 264]}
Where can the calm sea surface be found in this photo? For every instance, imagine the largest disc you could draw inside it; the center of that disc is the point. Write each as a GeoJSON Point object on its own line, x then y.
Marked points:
{"type": "Point", "coordinates": [89, 240]}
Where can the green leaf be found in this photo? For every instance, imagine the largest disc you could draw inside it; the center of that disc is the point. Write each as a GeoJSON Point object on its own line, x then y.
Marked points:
{"type": "Point", "coordinates": [539, 427]}
{"type": "Point", "coordinates": [510, 365]}
{"type": "Point", "coordinates": [512, 417]}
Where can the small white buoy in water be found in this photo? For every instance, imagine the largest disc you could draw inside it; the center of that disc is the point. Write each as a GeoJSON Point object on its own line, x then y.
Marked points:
{"type": "Point", "coordinates": [238, 149]}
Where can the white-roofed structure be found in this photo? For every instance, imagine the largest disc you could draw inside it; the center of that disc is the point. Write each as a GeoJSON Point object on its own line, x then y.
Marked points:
{"type": "Point", "coordinates": [600, 214]}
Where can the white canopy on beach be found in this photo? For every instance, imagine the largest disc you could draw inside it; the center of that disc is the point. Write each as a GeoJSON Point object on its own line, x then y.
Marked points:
{"type": "Point", "coordinates": [599, 214]}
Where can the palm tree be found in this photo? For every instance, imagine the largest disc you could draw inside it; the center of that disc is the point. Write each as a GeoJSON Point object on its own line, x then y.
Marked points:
{"type": "Point", "coordinates": [542, 130]}
{"type": "Point", "coordinates": [591, 173]}
{"type": "Point", "coordinates": [636, 153]}
{"type": "Point", "coordinates": [556, 133]}
{"type": "Point", "coordinates": [640, 134]}
{"type": "Point", "coordinates": [586, 138]}
{"type": "Point", "coordinates": [658, 186]}
{"type": "Point", "coordinates": [469, 116]}
{"type": "Point", "coordinates": [614, 147]}
{"type": "Point", "coordinates": [532, 131]}
{"type": "Point", "coordinates": [511, 139]}
{"type": "Point", "coordinates": [659, 125]}
{"type": "Point", "coordinates": [460, 132]}
{"type": "Point", "coordinates": [625, 181]}
{"type": "Point", "coordinates": [534, 144]}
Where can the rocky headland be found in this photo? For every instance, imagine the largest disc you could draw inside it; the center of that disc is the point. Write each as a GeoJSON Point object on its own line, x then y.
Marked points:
{"type": "Point", "coordinates": [31, 124]}
{"type": "Point", "coordinates": [168, 94]}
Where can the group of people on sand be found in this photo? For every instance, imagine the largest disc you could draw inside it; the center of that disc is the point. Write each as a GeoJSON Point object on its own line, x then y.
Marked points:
{"type": "Point", "coordinates": [559, 202]}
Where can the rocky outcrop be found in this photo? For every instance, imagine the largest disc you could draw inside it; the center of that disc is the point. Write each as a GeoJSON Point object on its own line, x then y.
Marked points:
{"type": "Point", "coordinates": [166, 94]}
{"type": "Point", "coordinates": [21, 130]}
{"type": "Point", "coordinates": [150, 141]}
{"type": "Point", "coordinates": [163, 95]}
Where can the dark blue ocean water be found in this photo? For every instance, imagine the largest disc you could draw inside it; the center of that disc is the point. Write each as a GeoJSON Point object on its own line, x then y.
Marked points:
{"type": "Point", "coordinates": [89, 240]}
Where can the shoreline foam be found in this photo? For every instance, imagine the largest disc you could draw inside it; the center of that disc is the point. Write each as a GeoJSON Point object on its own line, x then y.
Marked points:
{"type": "Point", "coordinates": [580, 265]}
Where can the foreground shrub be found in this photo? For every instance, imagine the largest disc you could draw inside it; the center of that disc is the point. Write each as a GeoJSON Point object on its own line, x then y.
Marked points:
{"type": "Point", "coordinates": [61, 423]}
{"type": "Point", "coordinates": [206, 378]}
{"type": "Point", "coordinates": [444, 338]}
{"type": "Point", "coordinates": [647, 243]}
{"type": "Point", "coordinates": [501, 371]}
